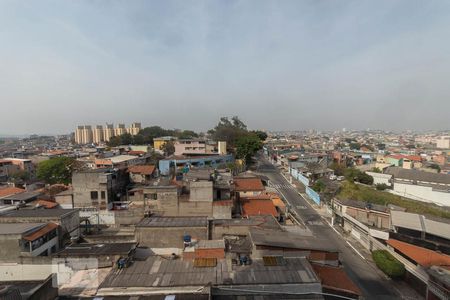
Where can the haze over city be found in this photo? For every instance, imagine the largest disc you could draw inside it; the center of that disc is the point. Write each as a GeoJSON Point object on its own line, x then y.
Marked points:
{"type": "Point", "coordinates": [278, 65]}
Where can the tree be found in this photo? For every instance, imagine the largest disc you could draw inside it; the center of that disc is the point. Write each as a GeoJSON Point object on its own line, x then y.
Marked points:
{"type": "Point", "coordinates": [20, 175]}
{"type": "Point", "coordinates": [168, 148]}
{"type": "Point", "coordinates": [355, 146]}
{"type": "Point", "coordinates": [228, 130]}
{"type": "Point", "coordinates": [247, 146]}
{"type": "Point", "coordinates": [338, 169]}
{"type": "Point", "coordinates": [364, 178]}
{"type": "Point", "coordinates": [56, 170]}
{"type": "Point", "coordinates": [376, 170]}
{"type": "Point", "coordinates": [319, 186]}
{"type": "Point", "coordinates": [261, 134]}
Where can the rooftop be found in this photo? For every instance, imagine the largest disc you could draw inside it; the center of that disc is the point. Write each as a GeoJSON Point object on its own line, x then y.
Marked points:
{"type": "Point", "coordinates": [336, 278]}
{"type": "Point", "coordinates": [211, 244]}
{"type": "Point", "coordinates": [173, 222]}
{"type": "Point", "coordinates": [246, 184]}
{"type": "Point", "coordinates": [157, 272]}
{"type": "Point", "coordinates": [24, 196]}
{"type": "Point", "coordinates": [142, 169]}
{"type": "Point", "coordinates": [282, 239]}
{"type": "Point", "coordinates": [422, 256]}
{"type": "Point", "coordinates": [19, 228]}
{"type": "Point", "coordinates": [4, 192]}
{"type": "Point", "coordinates": [97, 249]}
{"type": "Point", "coordinates": [420, 223]}
{"type": "Point", "coordinates": [417, 175]}
{"type": "Point", "coordinates": [30, 213]}
{"type": "Point", "coordinates": [258, 207]}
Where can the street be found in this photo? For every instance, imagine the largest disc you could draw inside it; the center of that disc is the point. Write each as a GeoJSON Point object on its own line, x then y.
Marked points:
{"type": "Point", "coordinates": [361, 272]}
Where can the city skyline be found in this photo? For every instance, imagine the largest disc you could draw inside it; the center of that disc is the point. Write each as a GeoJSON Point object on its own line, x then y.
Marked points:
{"type": "Point", "coordinates": [278, 66]}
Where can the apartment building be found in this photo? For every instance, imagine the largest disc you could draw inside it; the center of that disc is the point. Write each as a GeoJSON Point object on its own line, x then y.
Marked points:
{"type": "Point", "coordinates": [85, 134]}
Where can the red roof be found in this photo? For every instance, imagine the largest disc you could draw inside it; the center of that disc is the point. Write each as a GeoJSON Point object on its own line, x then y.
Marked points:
{"type": "Point", "coordinates": [422, 256]}
{"type": "Point", "coordinates": [10, 191]}
{"type": "Point", "coordinates": [414, 157]}
{"type": "Point", "coordinates": [142, 169]}
{"type": "Point", "coordinates": [243, 184]}
{"type": "Point", "coordinates": [136, 152]}
{"type": "Point", "coordinates": [335, 278]}
{"type": "Point", "coordinates": [41, 232]}
{"type": "Point", "coordinates": [258, 207]}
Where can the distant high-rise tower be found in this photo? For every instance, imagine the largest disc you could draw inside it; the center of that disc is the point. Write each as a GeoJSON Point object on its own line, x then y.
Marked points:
{"type": "Point", "coordinates": [134, 128]}
{"type": "Point", "coordinates": [86, 134]}
{"type": "Point", "coordinates": [97, 134]}
{"type": "Point", "coordinates": [79, 135]}
{"type": "Point", "coordinates": [120, 129]}
{"type": "Point", "coordinates": [108, 132]}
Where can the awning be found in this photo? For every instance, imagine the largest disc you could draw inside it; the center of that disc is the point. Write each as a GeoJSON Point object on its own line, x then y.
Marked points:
{"type": "Point", "coordinates": [41, 232]}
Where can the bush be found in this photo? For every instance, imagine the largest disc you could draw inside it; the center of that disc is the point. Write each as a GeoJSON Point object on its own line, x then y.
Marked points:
{"type": "Point", "coordinates": [381, 186]}
{"type": "Point", "coordinates": [364, 178]}
{"type": "Point", "coordinates": [388, 264]}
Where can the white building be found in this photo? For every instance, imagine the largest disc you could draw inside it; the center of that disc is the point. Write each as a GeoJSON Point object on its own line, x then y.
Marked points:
{"type": "Point", "coordinates": [421, 186]}
{"type": "Point", "coordinates": [443, 142]}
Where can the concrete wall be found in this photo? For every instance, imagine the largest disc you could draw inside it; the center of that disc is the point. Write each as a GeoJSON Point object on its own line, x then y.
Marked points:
{"type": "Point", "coordinates": [36, 268]}
{"type": "Point", "coordinates": [168, 237]}
{"type": "Point", "coordinates": [379, 178]}
{"type": "Point", "coordinates": [378, 220]}
{"type": "Point", "coordinates": [9, 246]}
{"type": "Point", "coordinates": [201, 191]}
{"type": "Point", "coordinates": [65, 201]}
{"type": "Point", "coordinates": [422, 193]}
{"type": "Point", "coordinates": [222, 211]}
{"type": "Point", "coordinates": [195, 208]}
{"type": "Point", "coordinates": [86, 182]}
{"type": "Point", "coordinates": [129, 216]}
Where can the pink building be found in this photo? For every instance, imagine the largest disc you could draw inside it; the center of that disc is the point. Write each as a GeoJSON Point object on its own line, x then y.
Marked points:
{"type": "Point", "coordinates": [193, 146]}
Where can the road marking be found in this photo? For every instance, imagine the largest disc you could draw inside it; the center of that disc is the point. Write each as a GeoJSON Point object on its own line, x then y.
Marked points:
{"type": "Point", "coordinates": [357, 252]}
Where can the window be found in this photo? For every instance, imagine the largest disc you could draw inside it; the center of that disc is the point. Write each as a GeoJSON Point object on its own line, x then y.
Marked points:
{"type": "Point", "coordinates": [94, 195]}
{"type": "Point", "coordinates": [152, 196]}
{"type": "Point", "coordinates": [103, 194]}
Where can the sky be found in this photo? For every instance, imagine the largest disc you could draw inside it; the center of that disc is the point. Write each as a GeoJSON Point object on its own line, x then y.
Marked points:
{"type": "Point", "coordinates": [278, 65]}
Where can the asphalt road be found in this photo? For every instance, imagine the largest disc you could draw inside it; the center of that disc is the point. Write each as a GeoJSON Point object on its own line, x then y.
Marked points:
{"type": "Point", "coordinates": [361, 272]}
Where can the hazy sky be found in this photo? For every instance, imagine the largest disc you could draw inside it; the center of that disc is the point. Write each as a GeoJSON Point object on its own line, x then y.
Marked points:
{"type": "Point", "coordinates": [183, 64]}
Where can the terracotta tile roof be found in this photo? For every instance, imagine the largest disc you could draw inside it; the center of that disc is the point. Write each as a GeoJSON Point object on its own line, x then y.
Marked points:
{"type": "Point", "coordinates": [47, 204]}
{"type": "Point", "coordinates": [44, 230]}
{"type": "Point", "coordinates": [142, 169]}
{"type": "Point", "coordinates": [335, 278]}
{"type": "Point", "coordinates": [10, 191]}
{"type": "Point", "coordinates": [103, 162]}
{"type": "Point", "coordinates": [136, 152]}
{"type": "Point", "coordinates": [243, 184]}
{"type": "Point", "coordinates": [422, 256]}
{"type": "Point", "coordinates": [414, 157]}
{"type": "Point", "coordinates": [258, 207]}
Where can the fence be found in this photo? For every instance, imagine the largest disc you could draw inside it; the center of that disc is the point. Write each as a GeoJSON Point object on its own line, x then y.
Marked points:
{"type": "Point", "coordinates": [296, 174]}
{"type": "Point", "coordinates": [313, 195]}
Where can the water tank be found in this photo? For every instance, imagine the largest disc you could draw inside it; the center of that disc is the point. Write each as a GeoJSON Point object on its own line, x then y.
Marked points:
{"type": "Point", "coordinates": [187, 238]}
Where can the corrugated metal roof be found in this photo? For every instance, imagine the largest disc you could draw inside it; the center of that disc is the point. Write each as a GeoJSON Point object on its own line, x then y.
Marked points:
{"type": "Point", "coordinates": [406, 220]}
{"type": "Point", "coordinates": [205, 262]}
{"type": "Point", "coordinates": [274, 261]}
{"type": "Point", "coordinates": [173, 222]}
{"type": "Point", "coordinates": [41, 232]}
